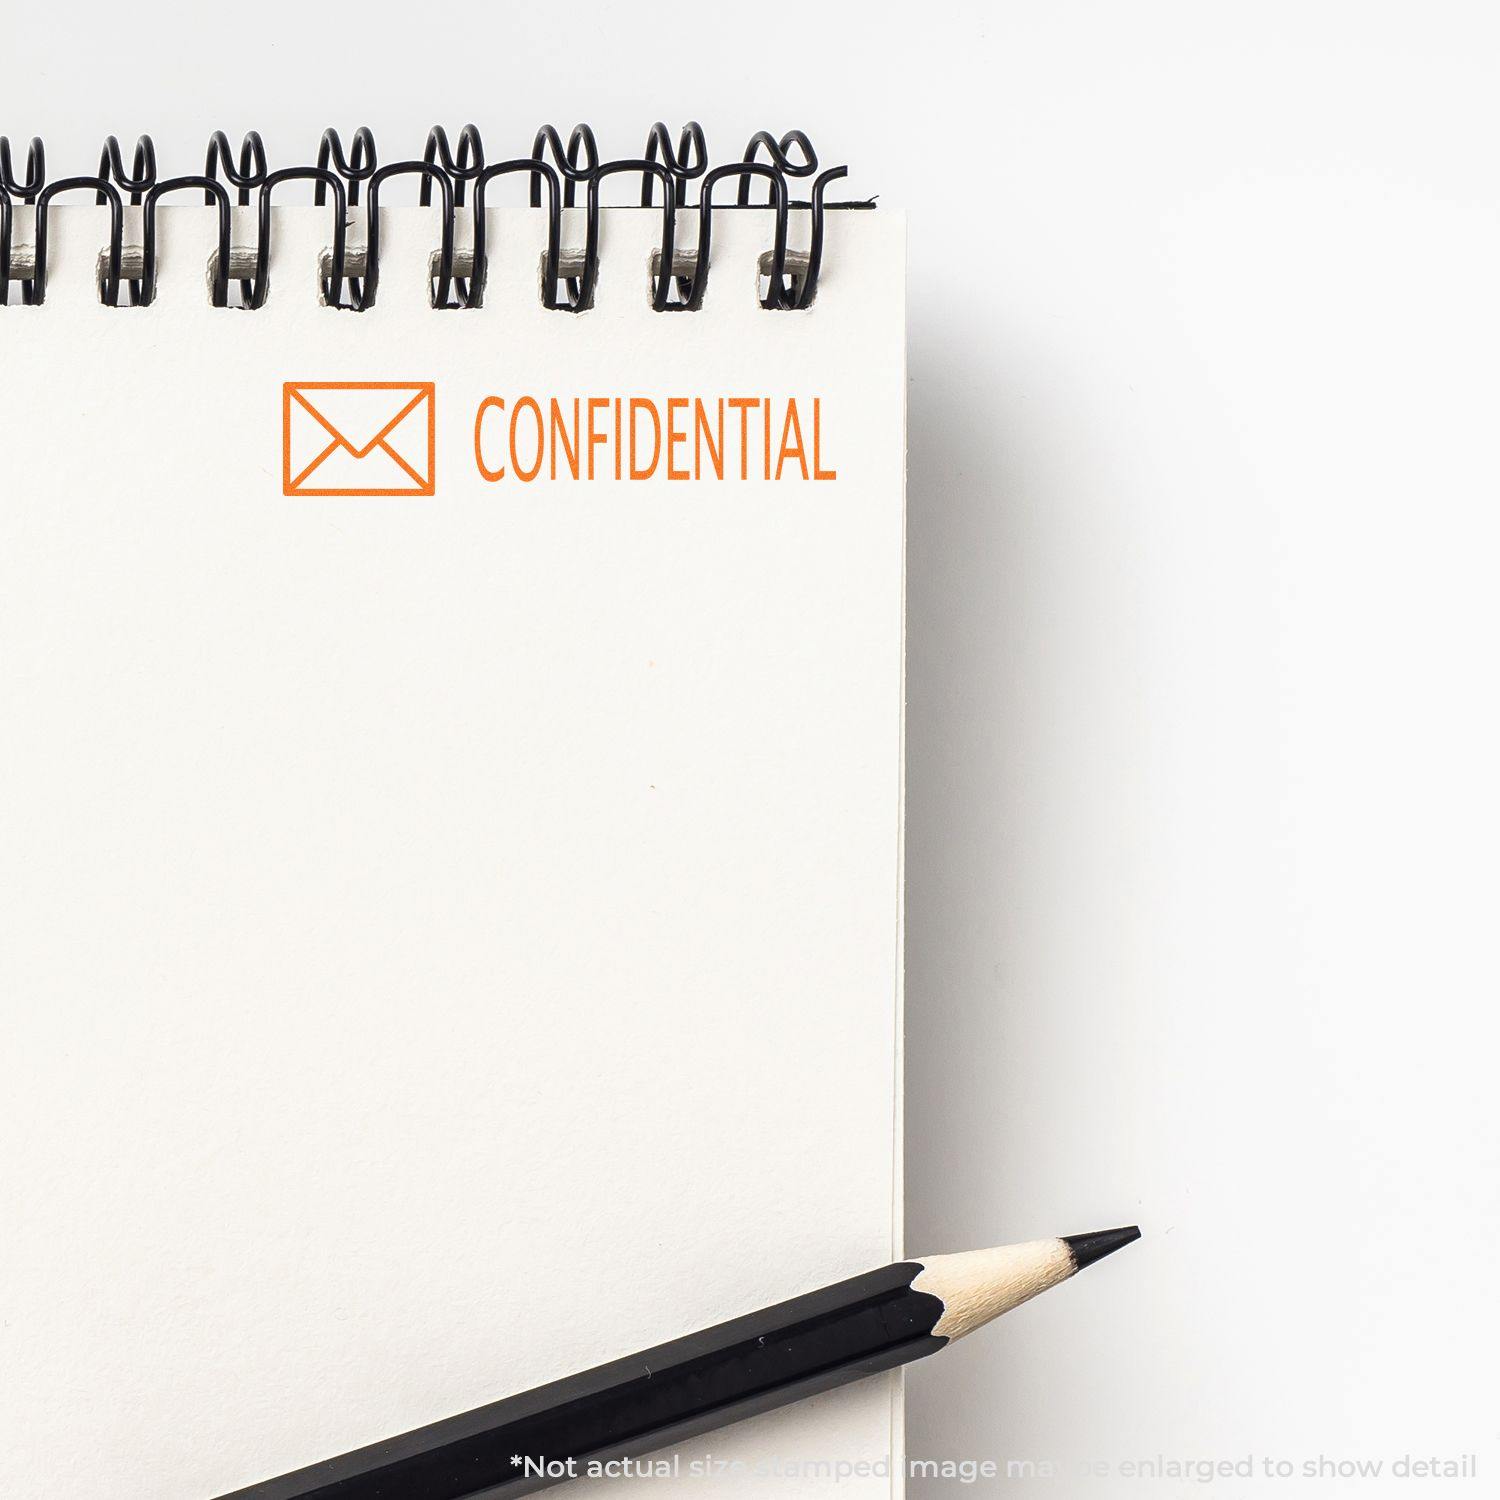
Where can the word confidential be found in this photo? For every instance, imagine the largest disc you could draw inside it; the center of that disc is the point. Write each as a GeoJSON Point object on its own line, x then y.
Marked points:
{"type": "Point", "coordinates": [637, 438]}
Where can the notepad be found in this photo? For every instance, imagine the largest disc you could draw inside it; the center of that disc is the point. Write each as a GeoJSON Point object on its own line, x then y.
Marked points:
{"type": "Point", "coordinates": [450, 831]}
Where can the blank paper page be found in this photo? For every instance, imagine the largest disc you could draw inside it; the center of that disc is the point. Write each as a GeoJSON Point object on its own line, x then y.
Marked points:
{"type": "Point", "coordinates": [447, 939]}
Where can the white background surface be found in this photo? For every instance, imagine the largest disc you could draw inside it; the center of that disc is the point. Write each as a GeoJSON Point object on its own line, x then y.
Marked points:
{"type": "Point", "coordinates": [1202, 747]}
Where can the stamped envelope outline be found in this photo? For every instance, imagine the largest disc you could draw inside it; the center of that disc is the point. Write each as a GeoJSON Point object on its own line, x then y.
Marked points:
{"type": "Point", "coordinates": [304, 482]}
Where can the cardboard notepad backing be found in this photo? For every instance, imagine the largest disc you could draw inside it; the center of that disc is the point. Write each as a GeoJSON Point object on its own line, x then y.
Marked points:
{"type": "Point", "coordinates": [449, 939]}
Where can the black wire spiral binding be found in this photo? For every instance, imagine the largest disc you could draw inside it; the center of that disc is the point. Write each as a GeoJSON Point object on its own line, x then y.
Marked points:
{"type": "Point", "coordinates": [557, 175]}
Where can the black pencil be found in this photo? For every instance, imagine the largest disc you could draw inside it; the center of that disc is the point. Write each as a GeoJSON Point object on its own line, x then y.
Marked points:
{"type": "Point", "coordinates": [677, 1390]}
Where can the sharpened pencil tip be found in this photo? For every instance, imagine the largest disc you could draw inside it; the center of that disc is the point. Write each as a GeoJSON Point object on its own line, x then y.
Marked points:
{"type": "Point", "coordinates": [1087, 1248]}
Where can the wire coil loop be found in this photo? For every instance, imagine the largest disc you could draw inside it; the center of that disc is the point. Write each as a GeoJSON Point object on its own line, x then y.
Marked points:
{"type": "Point", "coordinates": [687, 163]}
{"type": "Point", "coordinates": [537, 172]}
{"type": "Point", "coordinates": [779, 294]}
{"type": "Point", "coordinates": [109, 284]}
{"type": "Point", "coordinates": [217, 196]}
{"type": "Point", "coordinates": [36, 170]}
{"type": "Point", "coordinates": [141, 177]}
{"type": "Point", "coordinates": [431, 176]}
{"type": "Point", "coordinates": [464, 168]}
{"type": "Point", "coordinates": [252, 167]}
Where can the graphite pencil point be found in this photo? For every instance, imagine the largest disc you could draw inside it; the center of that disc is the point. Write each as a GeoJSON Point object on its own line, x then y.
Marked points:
{"type": "Point", "coordinates": [1087, 1248]}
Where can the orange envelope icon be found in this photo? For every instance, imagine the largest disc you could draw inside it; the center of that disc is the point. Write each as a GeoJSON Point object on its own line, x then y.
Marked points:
{"type": "Point", "coordinates": [357, 437]}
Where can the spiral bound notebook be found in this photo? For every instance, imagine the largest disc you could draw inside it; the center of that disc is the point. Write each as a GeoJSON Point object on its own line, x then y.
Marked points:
{"type": "Point", "coordinates": [450, 793]}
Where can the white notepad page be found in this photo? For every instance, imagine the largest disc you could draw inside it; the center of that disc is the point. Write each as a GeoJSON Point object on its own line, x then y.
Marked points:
{"type": "Point", "coordinates": [445, 942]}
